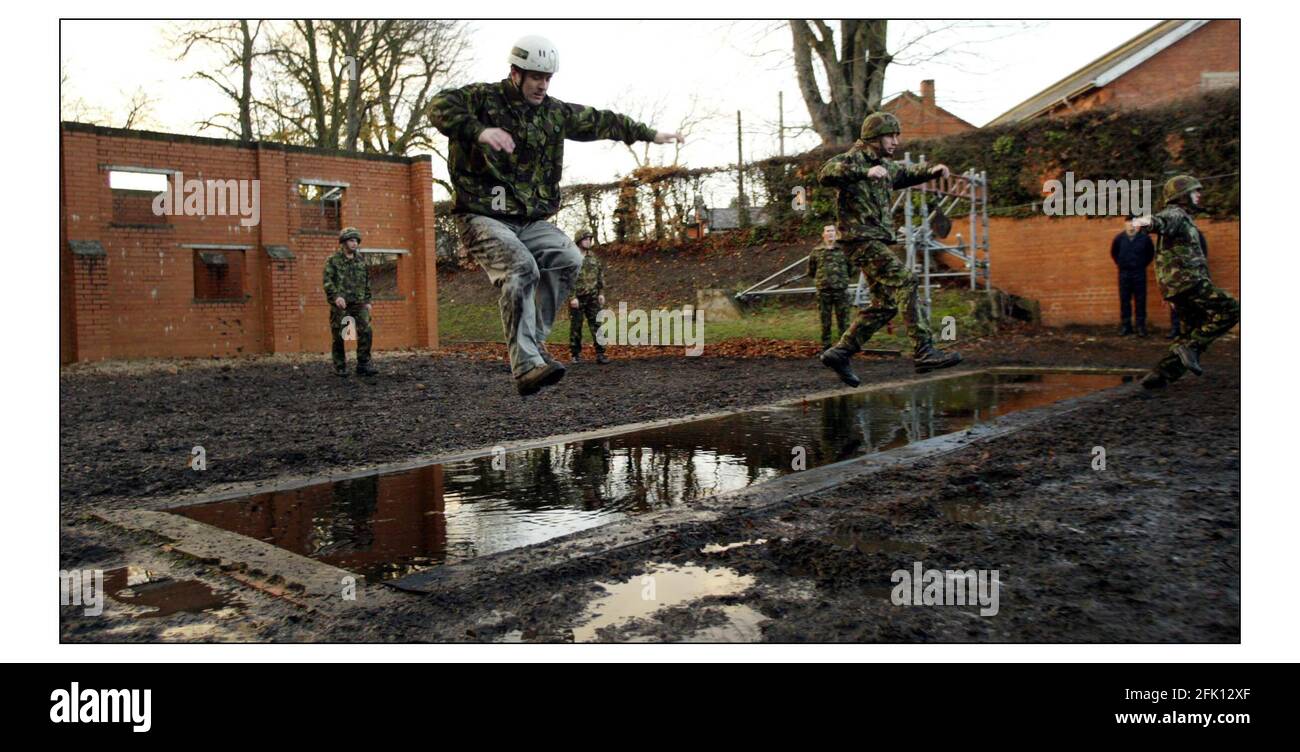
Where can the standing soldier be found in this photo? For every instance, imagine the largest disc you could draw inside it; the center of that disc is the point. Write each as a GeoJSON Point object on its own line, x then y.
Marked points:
{"type": "Point", "coordinates": [828, 266]}
{"type": "Point", "coordinates": [1207, 311]}
{"type": "Point", "coordinates": [588, 299]}
{"type": "Point", "coordinates": [864, 176]}
{"type": "Point", "coordinates": [506, 153]}
{"type": "Point", "coordinates": [347, 288]}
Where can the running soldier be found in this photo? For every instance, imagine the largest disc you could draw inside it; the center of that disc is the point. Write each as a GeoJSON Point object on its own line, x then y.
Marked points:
{"type": "Point", "coordinates": [864, 177]}
{"type": "Point", "coordinates": [1207, 311]}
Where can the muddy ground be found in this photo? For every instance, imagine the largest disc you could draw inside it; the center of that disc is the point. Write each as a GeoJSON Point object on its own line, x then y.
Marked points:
{"type": "Point", "coordinates": [1146, 551]}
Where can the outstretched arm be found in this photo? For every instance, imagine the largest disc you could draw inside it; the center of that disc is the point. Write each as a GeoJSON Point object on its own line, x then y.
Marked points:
{"type": "Point", "coordinates": [590, 124]}
{"type": "Point", "coordinates": [917, 174]}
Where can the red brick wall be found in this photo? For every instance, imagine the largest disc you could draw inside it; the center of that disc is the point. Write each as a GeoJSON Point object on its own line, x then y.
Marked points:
{"type": "Point", "coordinates": [148, 274]}
{"type": "Point", "coordinates": [1064, 263]}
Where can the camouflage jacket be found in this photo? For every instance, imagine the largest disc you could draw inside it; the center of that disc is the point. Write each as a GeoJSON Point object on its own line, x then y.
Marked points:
{"type": "Point", "coordinates": [591, 280]}
{"type": "Point", "coordinates": [862, 208]}
{"type": "Point", "coordinates": [347, 278]}
{"type": "Point", "coordinates": [524, 184]}
{"type": "Point", "coordinates": [1180, 251]}
{"type": "Point", "coordinates": [828, 265]}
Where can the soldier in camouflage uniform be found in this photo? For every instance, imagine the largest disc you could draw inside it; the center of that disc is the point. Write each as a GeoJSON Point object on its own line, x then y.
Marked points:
{"type": "Point", "coordinates": [347, 289]}
{"type": "Point", "coordinates": [1184, 279]}
{"type": "Point", "coordinates": [588, 299]}
{"type": "Point", "coordinates": [864, 177]}
{"type": "Point", "coordinates": [829, 268]}
{"type": "Point", "coordinates": [506, 152]}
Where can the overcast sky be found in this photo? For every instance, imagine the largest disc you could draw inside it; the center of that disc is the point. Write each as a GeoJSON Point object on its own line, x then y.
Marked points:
{"type": "Point", "coordinates": [985, 68]}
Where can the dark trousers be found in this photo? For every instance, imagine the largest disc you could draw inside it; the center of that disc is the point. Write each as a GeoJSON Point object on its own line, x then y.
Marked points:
{"type": "Point", "coordinates": [588, 308]}
{"type": "Point", "coordinates": [1133, 292]}
{"type": "Point", "coordinates": [361, 316]}
{"type": "Point", "coordinates": [1173, 319]}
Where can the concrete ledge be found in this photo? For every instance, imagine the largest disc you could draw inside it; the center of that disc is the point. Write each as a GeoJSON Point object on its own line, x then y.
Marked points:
{"type": "Point", "coordinates": [243, 555]}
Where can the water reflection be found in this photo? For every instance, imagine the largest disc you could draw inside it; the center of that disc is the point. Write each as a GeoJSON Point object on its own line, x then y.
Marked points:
{"type": "Point", "coordinates": [387, 526]}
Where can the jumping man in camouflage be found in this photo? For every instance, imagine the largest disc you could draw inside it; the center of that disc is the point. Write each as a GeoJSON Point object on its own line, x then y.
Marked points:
{"type": "Point", "coordinates": [588, 299]}
{"type": "Point", "coordinates": [1184, 279]}
{"type": "Point", "coordinates": [347, 288]}
{"type": "Point", "coordinates": [830, 270]}
{"type": "Point", "coordinates": [865, 175]}
{"type": "Point", "coordinates": [506, 152]}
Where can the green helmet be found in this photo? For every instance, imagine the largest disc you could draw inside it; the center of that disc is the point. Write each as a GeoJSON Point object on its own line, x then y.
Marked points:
{"type": "Point", "coordinates": [349, 232]}
{"type": "Point", "coordinates": [1179, 186]}
{"type": "Point", "coordinates": [583, 234]}
{"type": "Point", "coordinates": [879, 124]}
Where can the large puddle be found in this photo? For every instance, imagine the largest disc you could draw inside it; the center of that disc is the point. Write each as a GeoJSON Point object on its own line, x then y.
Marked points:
{"type": "Point", "coordinates": [390, 525]}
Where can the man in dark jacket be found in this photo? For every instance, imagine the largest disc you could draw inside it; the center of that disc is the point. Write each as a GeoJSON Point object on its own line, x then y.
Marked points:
{"type": "Point", "coordinates": [1132, 252]}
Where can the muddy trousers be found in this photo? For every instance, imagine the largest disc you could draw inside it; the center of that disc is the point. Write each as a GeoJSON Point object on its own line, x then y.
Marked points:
{"type": "Point", "coordinates": [893, 290]}
{"type": "Point", "coordinates": [1133, 297]}
{"type": "Point", "coordinates": [588, 308]}
{"type": "Point", "coordinates": [534, 265]}
{"type": "Point", "coordinates": [1207, 313]}
{"type": "Point", "coordinates": [338, 320]}
{"type": "Point", "coordinates": [836, 303]}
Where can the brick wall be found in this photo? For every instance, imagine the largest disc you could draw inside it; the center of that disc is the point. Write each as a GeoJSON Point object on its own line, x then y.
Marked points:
{"type": "Point", "coordinates": [146, 278]}
{"type": "Point", "coordinates": [1172, 73]}
{"type": "Point", "coordinates": [1064, 263]}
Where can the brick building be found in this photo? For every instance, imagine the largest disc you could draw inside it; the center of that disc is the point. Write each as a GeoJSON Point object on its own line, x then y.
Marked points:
{"type": "Point", "coordinates": [1064, 263]}
{"type": "Point", "coordinates": [1172, 59]}
{"type": "Point", "coordinates": [921, 117]}
{"type": "Point", "coordinates": [206, 277]}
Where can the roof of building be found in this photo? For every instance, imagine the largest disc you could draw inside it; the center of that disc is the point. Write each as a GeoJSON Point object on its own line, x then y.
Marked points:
{"type": "Point", "coordinates": [1103, 70]}
{"type": "Point", "coordinates": [908, 94]}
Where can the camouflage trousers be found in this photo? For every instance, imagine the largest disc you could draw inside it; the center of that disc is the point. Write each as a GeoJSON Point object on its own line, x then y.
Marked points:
{"type": "Point", "coordinates": [1207, 313]}
{"type": "Point", "coordinates": [893, 290]}
{"type": "Point", "coordinates": [361, 315]}
{"type": "Point", "coordinates": [588, 308]}
{"type": "Point", "coordinates": [832, 302]}
{"type": "Point", "coordinates": [534, 264]}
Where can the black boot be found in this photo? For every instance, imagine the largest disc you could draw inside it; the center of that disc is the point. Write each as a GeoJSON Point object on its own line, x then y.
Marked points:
{"type": "Point", "coordinates": [1142, 330]}
{"type": "Point", "coordinates": [365, 369]}
{"type": "Point", "coordinates": [601, 358]}
{"type": "Point", "coordinates": [838, 361]}
{"type": "Point", "coordinates": [1190, 358]}
{"type": "Point", "coordinates": [1154, 380]}
{"type": "Point", "coordinates": [341, 369]}
{"type": "Point", "coordinates": [575, 357]}
{"type": "Point", "coordinates": [930, 358]}
{"type": "Point", "coordinates": [1173, 333]}
{"type": "Point", "coordinates": [1125, 330]}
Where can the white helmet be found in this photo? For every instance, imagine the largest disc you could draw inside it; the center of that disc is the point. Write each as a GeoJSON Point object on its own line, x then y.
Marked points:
{"type": "Point", "coordinates": [534, 53]}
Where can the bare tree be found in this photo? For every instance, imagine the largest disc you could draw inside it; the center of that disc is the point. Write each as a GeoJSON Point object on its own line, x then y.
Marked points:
{"type": "Point", "coordinates": [695, 120]}
{"type": "Point", "coordinates": [855, 73]}
{"type": "Point", "coordinates": [356, 85]}
{"type": "Point", "coordinates": [137, 110]}
{"type": "Point", "coordinates": [853, 70]}
{"type": "Point", "coordinates": [236, 44]}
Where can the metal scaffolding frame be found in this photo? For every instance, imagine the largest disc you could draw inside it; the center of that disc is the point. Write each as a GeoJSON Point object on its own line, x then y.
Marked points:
{"type": "Point", "coordinates": [917, 236]}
